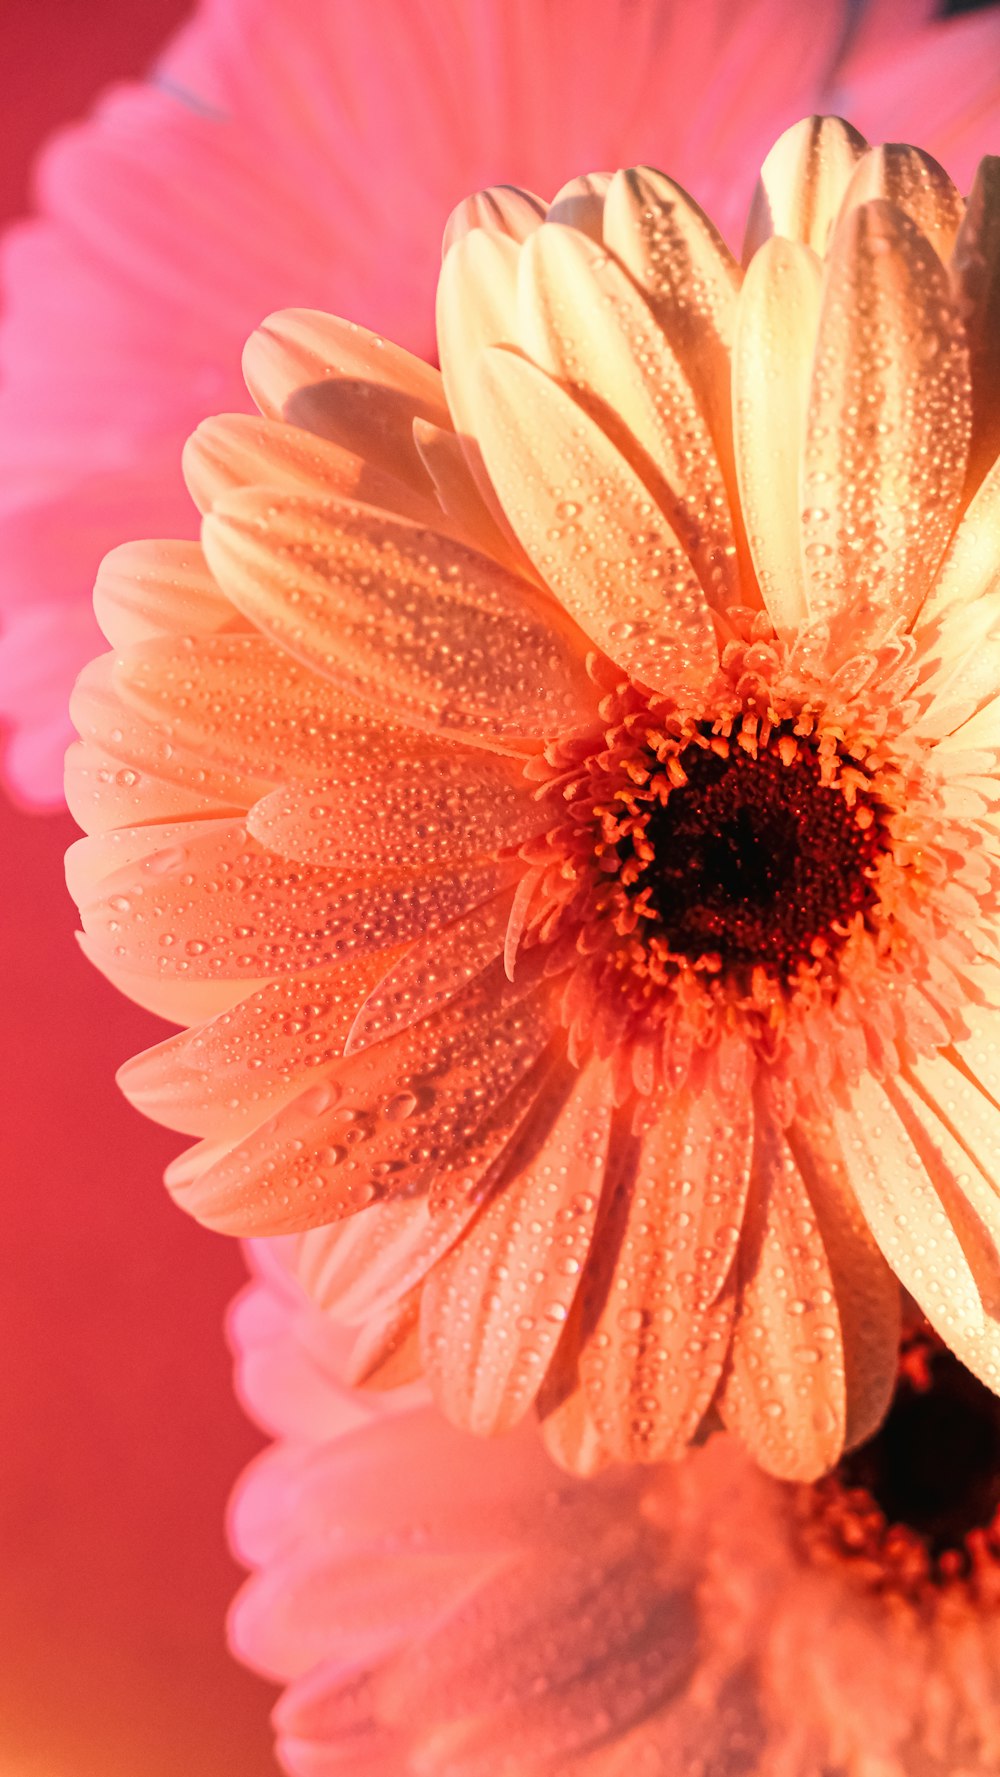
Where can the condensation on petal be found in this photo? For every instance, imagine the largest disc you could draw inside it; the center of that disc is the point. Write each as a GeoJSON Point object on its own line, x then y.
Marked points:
{"type": "Point", "coordinates": [245, 707]}
{"type": "Point", "coordinates": [785, 1393]}
{"type": "Point", "coordinates": [802, 184]}
{"type": "Point", "coordinates": [397, 1112]}
{"type": "Point", "coordinates": [913, 181]}
{"type": "Point", "coordinates": [460, 499]}
{"type": "Point", "coordinates": [495, 1307]}
{"type": "Point", "coordinates": [690, 279]}
{"type": "Point", "coordinates": [476, 307]}
{"type": "Point", "coordinates": [178, 1001]}
{"type": "Point", "coordinates": [131, 770]}
{"type": "Point", "coordinates": [582, 320]}
{"type": "Point", "coordinates": [887, 430]}
{"type": "Point", "coordinates": [772, 367]}
{"type": "Point", "coordinates": [591, 526]}
{"type": "Point", "coordinates": [152, 589]}
{"type": "Point", "coordinates": [231, 1072]}
{"type": "Point", "coordinates": [651, 1361]}
{"type": "Point", "coordinates": [976, 273]}
{"type": "Point", "coordinates": [431, 972]}
{"type": "Point", "coordinates": [868, 1297]}
{"type": "Point", "coordinates": [240, 450]}
{"type": "Point", "coordinates": [102, 793]}
{"type": "Point", "coordinates": [402, 617]}
{"type": "Point", "coordinates": [214, 905]}
{"type": "Point", "coordinates": [413, 806]}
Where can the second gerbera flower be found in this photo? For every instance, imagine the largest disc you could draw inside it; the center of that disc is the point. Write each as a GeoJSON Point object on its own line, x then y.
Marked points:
{"type": "Point", "coordinates": [562, 798]}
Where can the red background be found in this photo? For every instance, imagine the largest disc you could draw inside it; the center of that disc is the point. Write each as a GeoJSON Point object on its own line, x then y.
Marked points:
{"type": "Point", "coordinates": [119, 1437]}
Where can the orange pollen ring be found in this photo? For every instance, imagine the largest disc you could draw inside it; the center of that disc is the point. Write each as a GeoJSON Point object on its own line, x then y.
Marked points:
{"type": "Point", "coordinates": [729, 848]}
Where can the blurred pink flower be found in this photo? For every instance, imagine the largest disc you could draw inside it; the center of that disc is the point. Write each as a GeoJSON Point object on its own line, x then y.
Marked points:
{"type": "Point", "coordinates": [443, 1607]}
{"type": "Point", "coordinates": [307, 152]}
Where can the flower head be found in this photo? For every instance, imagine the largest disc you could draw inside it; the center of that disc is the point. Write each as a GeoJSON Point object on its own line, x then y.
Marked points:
{"type": "Point", "coordinates": [495, 1617]}
{"type": "Point", "coordinates": [561, 797]}
{"type": "Point", "coordinates": [301, 151]}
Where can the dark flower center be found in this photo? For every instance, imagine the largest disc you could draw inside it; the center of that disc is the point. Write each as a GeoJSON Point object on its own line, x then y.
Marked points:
{"type": "Point", "coordinates": [757, 859]}
{"type": "Point", "coordinates": [917, 1507]}
{"type": "Point", "coordinates": [934, 1465]}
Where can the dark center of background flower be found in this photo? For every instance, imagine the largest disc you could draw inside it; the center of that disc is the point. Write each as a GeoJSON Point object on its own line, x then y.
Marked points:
{"type": "Point", "coordinates": [756, 859]}
{"type": "Point", "coordinates": [916, 1509]}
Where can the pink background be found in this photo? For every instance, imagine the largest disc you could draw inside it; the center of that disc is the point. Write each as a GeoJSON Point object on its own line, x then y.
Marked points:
{"type": "Point", "coordinates": [118, 1431]}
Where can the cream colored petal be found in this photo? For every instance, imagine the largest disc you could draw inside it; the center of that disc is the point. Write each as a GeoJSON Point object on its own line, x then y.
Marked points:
{"type": "Point", "coordinates": [963, 1120]}
{"type": "Point", "coordinates": [239, 450]}
{"type": "Point", "coordinates": [228, 1074]}
{"type": "Point", "coordinates": [396, 1112]}
{"type": "Point", "coordinates": [151, 589]}
{"type": "Point", "coordinates": [961, 666]}
{"type": "Point", "coordinates": [432, 972]}
{"type": "Point", "coordinates": [251, 713]}
{"type": "Point", "coordinates": [366, 1264]}
{"type": "Point", "coordinates": [979, 1051]}
{"type": "Point", "coordinates": [178, 1001]}
{"type": "Point", "coordinates": [785, 1394]}
{"type": "Point", "coordinates": [970, 568]}
{"type": "Point", "coordinates": [591, 526]}
{"type": "Point", "coordinates": [570, 1436]}
{"type": "Point", "coordinates": [494, 1309]}
{"type": "Point", "coordinates": [221, 908]}
{"type": "Point", "coordinates": [500, 209]}
{"type": "Point", "coordinates": [402, 617]}
{"type": "Point", "coordinates": [917, 1194]}
{"type": "Point", "coordinates": [580, 204]}
{"type": "Point", "coordinates": [582, 320]}
{"type": "Point", "coordinates": [92, 862]}
{"type": "Point", "coordinates": [295, 349]}
{"type": "Point", "coordinates": [913, 181]}
{"type": "Point", "coordinates": [102, 793]}
{"type": "Point", "coordinates": [772, 370]}
{"type": "Point", "coordinates": [476, 307]}
{"type": "Point", "coordinates": [651, 1359]}
{"type": "Point", "coordinates": [887, 428]}
{"type": "Point", "coordinates": [976, 274]}
{"type": "Point", "coordinates": [128, 771]}
{"type": "Point", "coordinates": [401, 809]}
{"type": "Point", "coordinates": [868, 1297]}
{"type": "Point", "coordinates": [386, 1353]}
{"type": "Point", "coordinates": [690, 279]}
{"type": "Point", "coordinates": [338, 380]}
{"type": "Point", "coordinates": [802, 184]}
{"type": "Point", "coordinates": [443, 455]}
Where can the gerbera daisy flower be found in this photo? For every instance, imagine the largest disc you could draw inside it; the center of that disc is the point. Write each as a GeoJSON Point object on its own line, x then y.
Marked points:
{"type": "Point", "coordinates": [494, 1618]}
{"type": "Point", "coordinates": [560, 794]}
{"type": "Point", "coordinates": [245, 177]}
